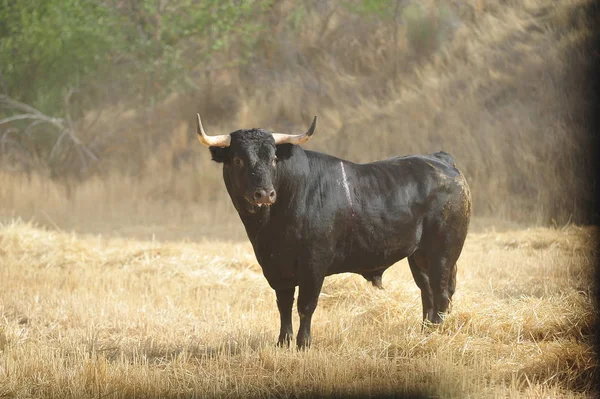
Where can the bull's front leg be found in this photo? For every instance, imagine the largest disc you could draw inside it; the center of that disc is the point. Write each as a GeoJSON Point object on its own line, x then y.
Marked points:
{"type": "Point", "coordinates": [285, 301]}
{"type": "Point", "coordinates": [308, 296]}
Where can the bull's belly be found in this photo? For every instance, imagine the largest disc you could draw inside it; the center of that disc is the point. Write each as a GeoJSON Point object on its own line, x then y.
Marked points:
{"type": "Point", "coordinates": [369, 248]}
{"type": "Point", "coordinates": [367, 261]}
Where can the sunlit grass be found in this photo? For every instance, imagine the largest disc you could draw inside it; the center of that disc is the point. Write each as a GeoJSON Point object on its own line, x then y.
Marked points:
{"type": "Point", "coordinates": [90, 316]}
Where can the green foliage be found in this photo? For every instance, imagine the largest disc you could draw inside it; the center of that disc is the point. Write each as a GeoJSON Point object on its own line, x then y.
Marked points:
{"type": "Point", "coordinates": [427, 30]}
{"type": "Point", "coordinates": [186, 26]}
{"type": "Point", "coordinates": [421, 29]}
{"type": "Point", "coordinates": [297, 15]}
{"type": "Point", "coordinates": [381, 8]}
{"type": "Point", "coordinates": [137, 45]}
{"type": "Point", "coordinates": [46, 46]}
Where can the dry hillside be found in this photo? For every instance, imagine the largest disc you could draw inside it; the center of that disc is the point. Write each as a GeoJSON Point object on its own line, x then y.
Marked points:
{"type": "Point", "coordinates": [506, 87]}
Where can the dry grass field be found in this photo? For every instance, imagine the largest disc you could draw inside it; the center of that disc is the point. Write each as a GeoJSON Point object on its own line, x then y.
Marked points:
{"type": "Point", "coordinates": [85, 315]}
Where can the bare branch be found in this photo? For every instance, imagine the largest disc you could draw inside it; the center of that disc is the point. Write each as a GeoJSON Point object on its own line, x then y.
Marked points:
{"type": "Point", "coordinates": [68, 107]}
{"type": "Point", "coordinates": [88, 152]}
{"type": "Point", "coordinates": [17, 118]}
{"type": "Point", "coordinates": [6, 136]}
{"type": "Point", "coordinates": [57, 145]}
{"type": "Point", "coordinates": [33, 124]}
{"type": "Point", "coordinates": [18, 105]}
{"type": "Point", "coordinates": [93, 122]}
{"type": "Point", "coordinates": [64, 126]}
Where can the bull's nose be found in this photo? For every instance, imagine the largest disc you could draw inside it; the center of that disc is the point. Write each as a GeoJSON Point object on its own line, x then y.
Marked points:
{"type": "Point", "coordinates": [265, 196]}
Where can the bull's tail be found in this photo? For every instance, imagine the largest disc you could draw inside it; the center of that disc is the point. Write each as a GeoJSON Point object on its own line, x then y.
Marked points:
{"type": "Point", "coordinates": [445, 157]}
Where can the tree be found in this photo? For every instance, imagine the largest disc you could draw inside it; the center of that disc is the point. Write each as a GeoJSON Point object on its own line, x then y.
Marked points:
{"type": "Point", "coordinates": [47, 46]}
{"type": "Point", "coordinates": [63, 57]}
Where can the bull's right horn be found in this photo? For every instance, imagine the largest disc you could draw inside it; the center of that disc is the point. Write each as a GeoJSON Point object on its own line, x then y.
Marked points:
{"type": "Point", "coordinates": [212, 141]}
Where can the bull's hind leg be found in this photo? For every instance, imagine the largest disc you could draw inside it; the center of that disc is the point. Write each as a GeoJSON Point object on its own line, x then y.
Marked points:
{"type": "Point", "coordinates": [442, 272]}
{"type": "Point", "coordinates": [418, 267]}
{"type": "Point", "coordinates": [452, 286]}
{"type": "Point", "coordinates": [445, 240]}
{"type": "Point", "coordinates": [439, 279]}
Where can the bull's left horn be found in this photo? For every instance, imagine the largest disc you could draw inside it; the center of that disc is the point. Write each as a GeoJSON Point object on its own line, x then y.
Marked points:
{"type": "Point", "coordinates": [212, 141]}
{"type": "Point", "coordinates": [282, 138]}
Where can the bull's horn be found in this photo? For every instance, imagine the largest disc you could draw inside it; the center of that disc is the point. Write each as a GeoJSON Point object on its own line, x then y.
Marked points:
{"type": "Point", "coordinates": [282, 138]}
{"type": "Point", "coordinates": [212, 141]}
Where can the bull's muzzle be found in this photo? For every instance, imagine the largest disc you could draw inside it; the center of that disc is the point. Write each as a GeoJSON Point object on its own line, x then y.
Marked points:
{"type": "Point", "coordinates": [265, 196]}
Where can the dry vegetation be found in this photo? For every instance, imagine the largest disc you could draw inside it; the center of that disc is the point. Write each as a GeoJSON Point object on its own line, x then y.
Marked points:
{"type": "Point", "coordinates": [506, 91]}
{"type": "Point", "coordinates": [87, 316]}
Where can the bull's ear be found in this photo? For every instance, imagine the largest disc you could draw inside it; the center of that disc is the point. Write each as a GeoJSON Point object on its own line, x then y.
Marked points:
{"type": "Point", "coordinates": [219, 154]}
{"type": "Point", "coordinates": [284, 151]}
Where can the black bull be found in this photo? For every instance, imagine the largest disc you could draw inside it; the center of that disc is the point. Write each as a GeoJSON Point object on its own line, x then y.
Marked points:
{"type": "Point", "coordinates": [309, 215]}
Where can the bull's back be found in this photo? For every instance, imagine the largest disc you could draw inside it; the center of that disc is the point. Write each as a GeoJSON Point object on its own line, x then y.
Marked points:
{"type": "Point", "coordinates": [441, 192]}
{"type": "Point", "coordinates": [410, 181]}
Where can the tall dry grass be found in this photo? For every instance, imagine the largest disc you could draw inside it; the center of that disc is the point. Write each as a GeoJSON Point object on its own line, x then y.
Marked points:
{"type": "Point", "coordinates": [89, 316]}
{"type": "Point", "coordinates": [122, 205]}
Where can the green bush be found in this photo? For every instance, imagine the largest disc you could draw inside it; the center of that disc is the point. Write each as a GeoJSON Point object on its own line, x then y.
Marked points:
{"type": "Point", "coordinates": [133, 45]}
{"type": "Point", "coordinates": [47, 46]}
{"type": "Point", "coordinates": [422, 29]}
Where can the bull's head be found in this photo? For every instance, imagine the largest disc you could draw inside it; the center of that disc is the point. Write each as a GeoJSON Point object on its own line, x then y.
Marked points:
{"type": "Point", "coordinates": [249, 160]}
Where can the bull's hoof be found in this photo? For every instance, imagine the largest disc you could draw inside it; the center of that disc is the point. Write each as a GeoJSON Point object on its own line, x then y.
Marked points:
{"type": "Point", "coordinates": [438, 318]}
{"type": "Point", "coordinates": [284, 341]}
{"type": "Point", "coordinates": [427, 326]}
{"type": "Point", "coordinates": [433, 321]}
{"type": "Point", "coordinates": [303, 344]}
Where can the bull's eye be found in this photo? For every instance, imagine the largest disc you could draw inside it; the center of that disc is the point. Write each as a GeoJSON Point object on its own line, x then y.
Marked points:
{"type": "Point", "coordinates": [275, 161]}
{"type": "Point", "coordinates": [238, 162]}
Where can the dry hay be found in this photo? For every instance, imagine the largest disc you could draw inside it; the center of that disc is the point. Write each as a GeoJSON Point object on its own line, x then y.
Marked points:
{"type": "Point", "coordinates": [84, 315]}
